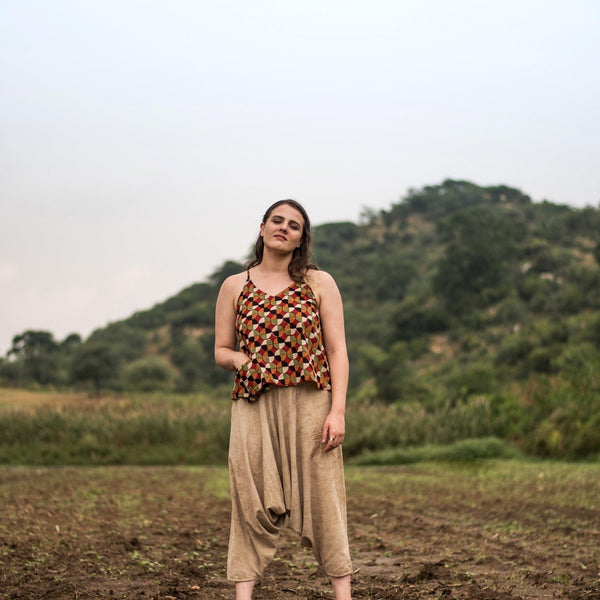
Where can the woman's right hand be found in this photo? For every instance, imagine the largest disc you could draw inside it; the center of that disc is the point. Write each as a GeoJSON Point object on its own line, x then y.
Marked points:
{"type": "Point", "coordinates": [226, 354]}
{"type": "Point", "coordinates": [238, 359]}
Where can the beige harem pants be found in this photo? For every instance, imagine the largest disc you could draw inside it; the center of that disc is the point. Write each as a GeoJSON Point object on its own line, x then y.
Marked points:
{"type": "Point", "coordinates": [280, 476]}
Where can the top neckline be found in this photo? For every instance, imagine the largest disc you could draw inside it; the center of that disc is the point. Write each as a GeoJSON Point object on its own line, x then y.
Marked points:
{"type": "Point", "coordinates": [266, 294]}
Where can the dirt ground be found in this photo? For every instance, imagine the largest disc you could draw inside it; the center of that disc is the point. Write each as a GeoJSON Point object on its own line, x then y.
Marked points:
{"type": "Point", "coordinates": [423, 532]}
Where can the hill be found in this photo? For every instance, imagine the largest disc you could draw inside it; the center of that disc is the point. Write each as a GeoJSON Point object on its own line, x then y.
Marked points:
{"type": "Point", "coordinates": [459, 298]}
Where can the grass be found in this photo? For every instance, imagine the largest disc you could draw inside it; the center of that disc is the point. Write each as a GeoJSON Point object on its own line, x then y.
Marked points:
{"type": "Point", "coordinates": [61, 429]}
{"type": "Point", "coordinates": [462, 450]}
{"type": "Point", "coordinates": [43, 428]}
{"type": "Point", "coordinates": [557, 483]}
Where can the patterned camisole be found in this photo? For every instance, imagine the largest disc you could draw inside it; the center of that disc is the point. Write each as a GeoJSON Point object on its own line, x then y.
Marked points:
{"type": "Point", "coordinates": [282, 336]}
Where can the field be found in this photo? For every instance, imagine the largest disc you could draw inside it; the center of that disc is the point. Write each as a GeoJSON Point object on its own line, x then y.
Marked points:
{"type": "Point", "coordinates": [55, 429]}
{"type": "Point", "coordinates": [482, 531]}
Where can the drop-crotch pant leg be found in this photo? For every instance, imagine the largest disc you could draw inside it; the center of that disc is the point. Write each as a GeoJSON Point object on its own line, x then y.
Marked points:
{"type": "Point", "coordinates": [279, 476]}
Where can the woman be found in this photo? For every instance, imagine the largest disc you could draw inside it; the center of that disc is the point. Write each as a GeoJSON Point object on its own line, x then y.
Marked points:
{"type": "Point", "coordinates": [280, 327]}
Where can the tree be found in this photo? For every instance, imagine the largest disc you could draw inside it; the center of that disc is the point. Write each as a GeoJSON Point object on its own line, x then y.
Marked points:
{"type": "Point", "coordinates": [71, 342]}
{"type": "Point", "coordinates": [36, 350]}
{"type": "Point", "coordinates": [480, 244]}
{"type": "Point", "coordinates": [97, 364]}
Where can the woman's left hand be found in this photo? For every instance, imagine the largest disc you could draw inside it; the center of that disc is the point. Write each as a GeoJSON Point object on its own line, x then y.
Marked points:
{"type": "Point", "coordinates": [334, 430]}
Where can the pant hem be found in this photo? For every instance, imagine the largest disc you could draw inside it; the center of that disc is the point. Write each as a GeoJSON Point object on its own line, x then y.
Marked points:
{"type": "Point", "coordinates": [350, 572]}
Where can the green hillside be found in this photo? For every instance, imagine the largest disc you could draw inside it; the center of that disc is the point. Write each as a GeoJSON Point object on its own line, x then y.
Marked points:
{"type": "Point", "coordinates": [459, 300]}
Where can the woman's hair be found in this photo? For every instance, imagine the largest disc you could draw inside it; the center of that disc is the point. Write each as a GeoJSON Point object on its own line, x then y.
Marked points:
{"type": "Point", "coordinates": [301, 256]}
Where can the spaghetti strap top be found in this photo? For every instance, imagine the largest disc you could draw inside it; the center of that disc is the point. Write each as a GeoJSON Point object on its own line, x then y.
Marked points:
{"type": "Point", "coordinates": [282, 336]}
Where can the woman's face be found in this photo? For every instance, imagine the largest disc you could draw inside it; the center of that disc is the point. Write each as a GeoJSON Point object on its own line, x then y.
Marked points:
{"type": "Point", "coordinates": [283, 229]}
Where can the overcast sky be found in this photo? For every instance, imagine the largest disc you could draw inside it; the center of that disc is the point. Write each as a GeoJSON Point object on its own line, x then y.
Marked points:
{"type": "Point", "coordinates": [141, 140]}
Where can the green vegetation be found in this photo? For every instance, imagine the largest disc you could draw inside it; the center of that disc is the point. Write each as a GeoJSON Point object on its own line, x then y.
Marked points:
{"type": "Point", "coordinates": [161, 428]}
{"type": "Point", "coordinates": [464, 450]}
{"type": "Point", "coordinates": [135, 429]}
{"type": "Point", "coordinates": [472, 312]}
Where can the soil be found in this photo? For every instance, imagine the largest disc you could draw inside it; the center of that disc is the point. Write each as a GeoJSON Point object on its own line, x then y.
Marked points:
{"type": "Point", "coordinates": [415, 533]}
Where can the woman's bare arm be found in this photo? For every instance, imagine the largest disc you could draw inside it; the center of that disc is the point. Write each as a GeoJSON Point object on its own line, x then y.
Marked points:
{"type": "Point", "coordinates": [334, 339]}
{"type": "Point", "coordinates": [226, 353]}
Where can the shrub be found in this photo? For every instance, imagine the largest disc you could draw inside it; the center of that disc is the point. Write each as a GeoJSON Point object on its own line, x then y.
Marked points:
{"type": "Point", "coordinates": [541, 360]}
{"type": "Point", "coordinates": [512, 310]}
{"type": "Point", "coordinates": [464, 450]}
{"type": "Point", "coordinates": [553, 437]}
{"type": "Point", "coordinates": [586, 442]}
{"type": "Point", "coordinates": [414, 318]}
{"type": "Point", "coordinates": [514, 349]}
{"type": "Point", "coordinates": [474, 378]}
{"type": "Point", "coordinates": [149, 373]}
{"type": "Point", "coordinates": [580, 365]}
{"type": "Point", "coordinates": [593, 331]}
{"type": "Point", "coordinates": [550, 259]}
{"type": "Point", "coordinates": [567, 433]}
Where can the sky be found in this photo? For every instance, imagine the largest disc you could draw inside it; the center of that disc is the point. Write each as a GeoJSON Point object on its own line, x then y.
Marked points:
{"type": "Point", "coordinates": [141, 140]}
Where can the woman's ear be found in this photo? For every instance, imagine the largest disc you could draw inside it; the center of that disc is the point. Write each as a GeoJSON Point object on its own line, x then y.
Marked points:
{"type": "Point", "coordinates": [262, 229]}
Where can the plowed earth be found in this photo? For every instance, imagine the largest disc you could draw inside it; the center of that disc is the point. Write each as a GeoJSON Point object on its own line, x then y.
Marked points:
{"type": "Point", "coordinates": [481, 532]}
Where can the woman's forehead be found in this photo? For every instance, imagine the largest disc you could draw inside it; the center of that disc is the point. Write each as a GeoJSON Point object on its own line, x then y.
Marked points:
{"type": "Point", "coordinates": [288, 212]}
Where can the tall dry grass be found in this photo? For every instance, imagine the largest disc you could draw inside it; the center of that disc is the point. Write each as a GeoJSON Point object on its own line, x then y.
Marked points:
{"type": "Point", "coordinates": [56, 429]}
{"type": "Point", "coordinates": [132, 429]}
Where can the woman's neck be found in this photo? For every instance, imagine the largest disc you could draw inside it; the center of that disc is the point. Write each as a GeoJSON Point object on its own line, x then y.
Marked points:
{"type": "Point", "coordinates": [274, 264]}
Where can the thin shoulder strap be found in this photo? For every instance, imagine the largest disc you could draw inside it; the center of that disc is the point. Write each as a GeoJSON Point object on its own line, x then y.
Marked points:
{"type": "Point", "coordinates": [248, 275]}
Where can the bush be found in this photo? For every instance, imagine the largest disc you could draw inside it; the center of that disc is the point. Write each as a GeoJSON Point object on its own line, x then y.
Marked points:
{"type": "Point", "coordinates": [149, 373]}
{"type": "Point", "coordinates": [568, 299]}
{"type": "Point", "coordinates": [474, 378]}
{"type": "Point", "coordinates": [542, 360]}
{"type": "Point", "coordinates": [532, 288]}
{"type": "Point", "coordinates": [580, 365]}
{"type": "Point", "coordinates": [567, 434]}
{"type": "Point", "coordinates": [512, 310]}
{"type": "Point", "coordinates": [514, 349]}
{"type": "Point", "coordinates": [550, 259]}
{"type": "Point", "coordinates": [586, 442]}
{"type": "Point", "coordinates": [415, 317]}
{"type": "Point", "coordinates": [464, 450]}
{"type": "Point", "coordinates": [592, 332]}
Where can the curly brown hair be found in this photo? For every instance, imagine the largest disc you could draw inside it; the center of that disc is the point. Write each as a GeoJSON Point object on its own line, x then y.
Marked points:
{"type": "Point", "coordinates": [301, 256]}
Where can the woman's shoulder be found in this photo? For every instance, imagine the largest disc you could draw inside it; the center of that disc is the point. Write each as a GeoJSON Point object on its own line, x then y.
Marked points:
{"type": "Point", "coordinates": [234, 284]}
{"type": "Point", "coordinates": [321, 282]}
{"type": "Point", "coordinates": [318, 277]}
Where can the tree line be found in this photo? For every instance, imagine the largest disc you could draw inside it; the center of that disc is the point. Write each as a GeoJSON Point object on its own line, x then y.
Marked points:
{"type": "Point", "coordinates": [456, 294]}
